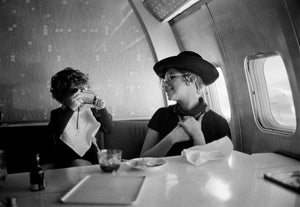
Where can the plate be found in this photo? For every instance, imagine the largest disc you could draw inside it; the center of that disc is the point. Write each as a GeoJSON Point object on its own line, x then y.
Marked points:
{"type": "Point", "coordinates": [105, 189]}
{"type": "Point", "coordinates": [146, 163]}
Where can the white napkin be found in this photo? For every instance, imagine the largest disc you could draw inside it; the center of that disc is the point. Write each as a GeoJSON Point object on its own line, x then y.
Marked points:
{"type": "Point", "coordinates": [215, 150]}
{"type": "Point", "coordinates": [80, 137]}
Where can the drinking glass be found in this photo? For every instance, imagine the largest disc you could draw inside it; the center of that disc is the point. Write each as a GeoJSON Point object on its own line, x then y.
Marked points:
{"type": "Point", "coordinates": [3, 170]}
{"type": "Point", "coordinates": [110, 159]}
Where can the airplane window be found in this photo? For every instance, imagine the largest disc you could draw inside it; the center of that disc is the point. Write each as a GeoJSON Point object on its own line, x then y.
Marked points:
{"type": "Point", "coordinates": [279, 91]}
{"type": "Point", "coordinates": [217, 96]}
{"type": "Point", "coordinates": [271, 94]}
{"type": "Point", "coordinates": [223, 94]}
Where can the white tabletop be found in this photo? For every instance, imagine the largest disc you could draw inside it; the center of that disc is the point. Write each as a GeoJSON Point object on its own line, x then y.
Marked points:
{"type": "Point", "coordinates": [235, 181]}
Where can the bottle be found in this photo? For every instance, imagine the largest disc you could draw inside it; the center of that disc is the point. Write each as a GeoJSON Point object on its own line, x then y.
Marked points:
{"type": "Point", "coordinates": [37, 178]}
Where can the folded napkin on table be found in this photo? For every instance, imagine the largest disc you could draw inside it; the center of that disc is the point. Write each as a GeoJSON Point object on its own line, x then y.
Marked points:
{"type": "Point", "coordinates": [215, 150]}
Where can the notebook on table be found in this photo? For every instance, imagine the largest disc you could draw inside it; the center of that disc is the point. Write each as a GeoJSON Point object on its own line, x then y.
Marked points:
{"type": "Point", "coordinates": [102, 189]}
{"type": "Point", "coordinates": [287, 179]}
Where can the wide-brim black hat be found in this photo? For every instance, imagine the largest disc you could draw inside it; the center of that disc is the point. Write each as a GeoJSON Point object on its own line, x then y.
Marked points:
{"type": "Point", "coordinates": [190, 62]}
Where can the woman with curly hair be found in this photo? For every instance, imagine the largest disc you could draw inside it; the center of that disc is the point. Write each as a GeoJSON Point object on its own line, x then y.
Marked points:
{"type": "Point", "coordinates": [74, 124]}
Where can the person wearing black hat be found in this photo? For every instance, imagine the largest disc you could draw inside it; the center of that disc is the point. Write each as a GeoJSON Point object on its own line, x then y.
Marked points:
{"type": "Point", "coordinates": [190, 121]}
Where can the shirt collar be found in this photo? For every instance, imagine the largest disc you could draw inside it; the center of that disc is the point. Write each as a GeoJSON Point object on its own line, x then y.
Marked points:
{"type": "Point", "coordinates": [195, 112]}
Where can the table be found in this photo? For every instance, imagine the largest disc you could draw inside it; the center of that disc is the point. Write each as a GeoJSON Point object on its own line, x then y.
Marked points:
{"type": "Point", "coordinates": [235, 181]}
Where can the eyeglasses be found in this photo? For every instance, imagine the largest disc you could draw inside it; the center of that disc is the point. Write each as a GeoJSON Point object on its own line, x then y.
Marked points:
{"type": "Point", "coordinates": [169, 77]}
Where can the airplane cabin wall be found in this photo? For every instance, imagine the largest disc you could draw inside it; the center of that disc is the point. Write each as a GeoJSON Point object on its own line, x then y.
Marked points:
{"type": "Point", "coordinates": [249, 27]}
{"type": "Point", "coordinates": [241, 28]}
{"type": "Point", "coordinates": [161, 37]}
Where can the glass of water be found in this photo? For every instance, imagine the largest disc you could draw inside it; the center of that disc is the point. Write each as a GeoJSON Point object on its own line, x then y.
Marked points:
{"type": "Point", "coordinates": [3, 170]}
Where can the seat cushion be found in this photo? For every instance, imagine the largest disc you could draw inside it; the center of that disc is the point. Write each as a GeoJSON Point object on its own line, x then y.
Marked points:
{"type": "Point", "coordinates": [127, 135]}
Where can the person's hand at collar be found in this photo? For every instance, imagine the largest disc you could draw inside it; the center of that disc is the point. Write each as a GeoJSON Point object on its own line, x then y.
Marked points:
{"type": "Point", "coordinates": [178, 134]}
{"type": "Point", "coordinates": [193, 128]}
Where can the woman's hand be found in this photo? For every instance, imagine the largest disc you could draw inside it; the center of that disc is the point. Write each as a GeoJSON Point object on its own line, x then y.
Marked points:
{"type": "Point", "coordinates": [99, 103]}
{"type": "Point", "coordinates": [178, 134]}
{"type": "Point", "coordinates": [193, 128]}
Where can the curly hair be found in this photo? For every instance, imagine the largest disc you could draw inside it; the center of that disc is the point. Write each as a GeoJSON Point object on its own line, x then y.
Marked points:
{"type": "Point", "coordinates": [63, 80]}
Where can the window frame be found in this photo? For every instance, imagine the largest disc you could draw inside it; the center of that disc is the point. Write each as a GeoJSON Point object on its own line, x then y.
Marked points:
{"type": "Point", "coordinates": [257, 85]}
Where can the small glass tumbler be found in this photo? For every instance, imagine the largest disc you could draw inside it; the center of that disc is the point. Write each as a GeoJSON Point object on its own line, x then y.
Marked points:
{"type": "Point", "coordinates": [3, 170]}
{"type": "Point", "coordinates": [110, 159]}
